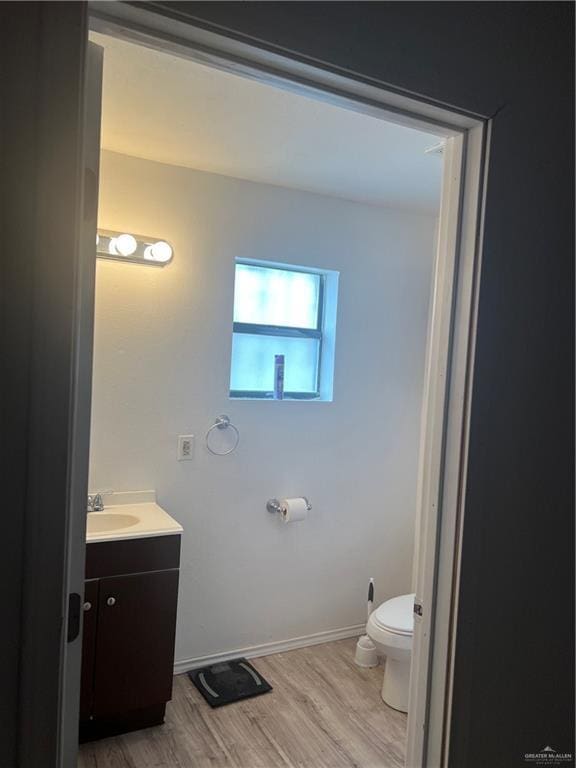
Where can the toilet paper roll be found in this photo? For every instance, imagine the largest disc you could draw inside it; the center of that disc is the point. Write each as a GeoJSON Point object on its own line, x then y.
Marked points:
{"type": "Point", "coordinates": [294, 510]}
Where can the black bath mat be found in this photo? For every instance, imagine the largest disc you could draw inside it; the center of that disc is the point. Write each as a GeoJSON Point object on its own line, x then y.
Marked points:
{"type": "Point", "coordinates": [228, 681]}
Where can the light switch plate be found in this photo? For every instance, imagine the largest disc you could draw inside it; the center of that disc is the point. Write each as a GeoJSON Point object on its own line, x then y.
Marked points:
{"type": "Point", "coordinates": [185, 447]}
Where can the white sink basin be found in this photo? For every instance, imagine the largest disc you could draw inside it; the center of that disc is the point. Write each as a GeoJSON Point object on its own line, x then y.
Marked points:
{"type": "Point", "coordinates": [129, 515]}
{"type": "Point", "coordinates": [106, 522]}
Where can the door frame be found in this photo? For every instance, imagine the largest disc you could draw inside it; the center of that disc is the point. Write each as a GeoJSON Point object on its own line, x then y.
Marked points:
{"type": "Point", "coordinates": [452, 328]}
{"type": "Point", "coordinates": [46, 284]}
{"type": "Point", "coordinates": [79, 439]}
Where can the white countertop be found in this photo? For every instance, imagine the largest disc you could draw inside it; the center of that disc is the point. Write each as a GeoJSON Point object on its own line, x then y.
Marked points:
{"type": "Point", "coordinates": [130, 515]}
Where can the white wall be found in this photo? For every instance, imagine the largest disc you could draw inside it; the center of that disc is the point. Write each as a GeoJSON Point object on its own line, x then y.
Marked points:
{"type": "Point", "coordinates": [161, 368]}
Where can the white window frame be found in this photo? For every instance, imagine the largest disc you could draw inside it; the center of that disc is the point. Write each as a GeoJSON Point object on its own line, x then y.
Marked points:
{"type": "Point", "coordinates": [261, 329]}
{"type": "Point", "coordinates": [449, 368]}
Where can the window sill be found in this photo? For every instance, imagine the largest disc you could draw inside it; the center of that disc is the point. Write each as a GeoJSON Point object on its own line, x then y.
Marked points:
{"type": "Point", "coordinates": [288, 399]}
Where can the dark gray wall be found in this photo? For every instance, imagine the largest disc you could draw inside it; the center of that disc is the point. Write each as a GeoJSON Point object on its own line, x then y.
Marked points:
{"type": "Point", "coordinates": [514, 668]}
{"type": "Point", "coordinates": [42, 49]}
{"type": "Point", "coordinates": [17, 134]}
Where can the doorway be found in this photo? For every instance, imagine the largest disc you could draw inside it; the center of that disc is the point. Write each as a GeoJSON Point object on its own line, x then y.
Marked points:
{"type": "Point", "coordinates": [447, 377]}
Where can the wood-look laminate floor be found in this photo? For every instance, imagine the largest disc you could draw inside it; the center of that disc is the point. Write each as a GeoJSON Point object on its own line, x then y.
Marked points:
{"type": "Point", "coordinates": [324, 712]}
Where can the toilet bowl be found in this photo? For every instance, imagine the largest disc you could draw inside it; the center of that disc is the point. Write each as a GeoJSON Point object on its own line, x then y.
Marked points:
{"type": "Point", "coordinates": [391, 628]}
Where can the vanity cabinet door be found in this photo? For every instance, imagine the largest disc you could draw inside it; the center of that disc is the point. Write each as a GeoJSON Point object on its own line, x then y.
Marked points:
{"type": "Point", "coordinates": [135, 645]}
{"type": "Point", "coordinates": [90, 624]}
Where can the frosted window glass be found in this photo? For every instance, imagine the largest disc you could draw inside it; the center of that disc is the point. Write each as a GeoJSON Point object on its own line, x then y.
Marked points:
{"type": "Point", "coordinates": [253, 362]}
{"type": "Point", "coordinates": [267, 296]}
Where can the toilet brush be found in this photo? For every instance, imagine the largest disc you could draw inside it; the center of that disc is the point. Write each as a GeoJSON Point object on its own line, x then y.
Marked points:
{"type": "Point", "coordinates": [366, 655]}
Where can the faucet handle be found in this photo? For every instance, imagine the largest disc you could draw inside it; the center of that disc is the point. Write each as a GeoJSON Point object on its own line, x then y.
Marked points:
{"type": "Point", "coordinates": [95, 502]}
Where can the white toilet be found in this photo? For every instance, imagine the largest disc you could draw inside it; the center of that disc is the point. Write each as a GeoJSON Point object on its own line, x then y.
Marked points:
{"type": "Point", "coordinates": [391, 627]}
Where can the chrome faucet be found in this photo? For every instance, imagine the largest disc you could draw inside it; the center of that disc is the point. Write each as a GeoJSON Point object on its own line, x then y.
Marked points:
{"type": "Point", "coordinates": [95, 503]}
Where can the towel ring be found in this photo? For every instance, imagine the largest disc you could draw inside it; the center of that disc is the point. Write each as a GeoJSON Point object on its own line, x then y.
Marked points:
{"type": "Point", "coordinates": [223, 422]}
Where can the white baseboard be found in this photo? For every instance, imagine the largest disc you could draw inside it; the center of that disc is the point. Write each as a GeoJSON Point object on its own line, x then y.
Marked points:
{"type": "Point", "coordinates": [267, 649]}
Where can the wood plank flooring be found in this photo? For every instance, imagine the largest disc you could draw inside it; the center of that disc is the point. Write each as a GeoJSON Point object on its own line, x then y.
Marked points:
{"type": "Point", "coordinates": [324, 712]}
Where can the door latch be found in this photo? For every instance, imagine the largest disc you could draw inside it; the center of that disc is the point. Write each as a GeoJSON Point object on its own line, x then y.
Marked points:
{"type": "Point", "coordinates": [418, 609]}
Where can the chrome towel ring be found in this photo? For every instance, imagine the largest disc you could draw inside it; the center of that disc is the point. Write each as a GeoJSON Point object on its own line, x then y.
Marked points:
{"type": "Point", "coordinates": [223, 422]}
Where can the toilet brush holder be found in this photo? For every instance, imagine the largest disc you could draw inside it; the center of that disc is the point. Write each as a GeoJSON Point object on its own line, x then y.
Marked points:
{"type": "Point", "coordinates": [366, 655]}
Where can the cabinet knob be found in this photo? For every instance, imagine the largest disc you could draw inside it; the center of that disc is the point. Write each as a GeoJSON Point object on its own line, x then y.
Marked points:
{"type": "Point", "coordinates": [87, 605]}
{"type": "Point", "coordinates": [111, 601]}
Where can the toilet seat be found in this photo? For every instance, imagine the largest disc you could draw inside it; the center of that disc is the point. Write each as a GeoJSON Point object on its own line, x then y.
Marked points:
{"type": "Point", "coordinates": [396, 615]}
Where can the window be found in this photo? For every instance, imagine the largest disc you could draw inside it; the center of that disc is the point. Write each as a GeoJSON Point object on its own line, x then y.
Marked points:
{"type": "Point", "coordinates": [279, 310]}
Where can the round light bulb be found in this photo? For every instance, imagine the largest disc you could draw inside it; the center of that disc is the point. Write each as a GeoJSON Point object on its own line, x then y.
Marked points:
{"type": "Point", "coordinates": [125, 245]}
{"type": "Point", "coordinates": [160, 251]}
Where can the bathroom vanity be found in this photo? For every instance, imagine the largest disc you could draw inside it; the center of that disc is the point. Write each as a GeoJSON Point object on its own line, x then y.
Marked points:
{"type": "Point", "coordinates": [130, 601]}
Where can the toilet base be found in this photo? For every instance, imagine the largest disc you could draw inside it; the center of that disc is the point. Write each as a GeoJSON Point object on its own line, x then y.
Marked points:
{"type": "Point", "coordinates": [396, 684]}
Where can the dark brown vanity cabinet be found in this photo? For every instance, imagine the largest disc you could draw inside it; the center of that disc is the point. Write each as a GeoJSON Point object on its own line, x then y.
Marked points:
{"type": "Point", "coordinates": [130, 601]}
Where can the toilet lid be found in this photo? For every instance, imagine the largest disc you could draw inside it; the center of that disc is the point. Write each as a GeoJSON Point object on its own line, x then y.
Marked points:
{"type": "Point", "coordinates": [396, 615]}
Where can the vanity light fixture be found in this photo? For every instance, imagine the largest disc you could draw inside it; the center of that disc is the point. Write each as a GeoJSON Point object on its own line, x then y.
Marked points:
{"type": "Point", "coordinates": [123, 246]}
{"type": "Point", "coordinates": [160, 252]}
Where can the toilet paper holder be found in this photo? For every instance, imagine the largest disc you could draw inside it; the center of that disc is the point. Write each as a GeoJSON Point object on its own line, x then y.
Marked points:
{"type": "Point", "coordinates": [275, 505]}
